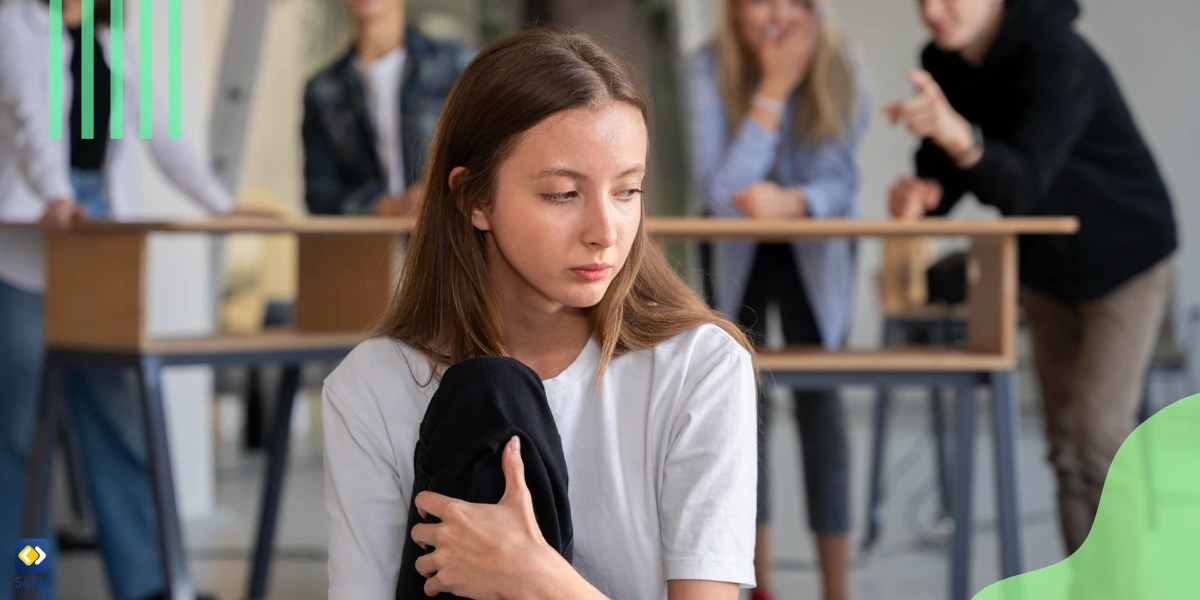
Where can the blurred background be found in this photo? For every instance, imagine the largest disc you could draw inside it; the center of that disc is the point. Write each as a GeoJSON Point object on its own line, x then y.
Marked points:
{"type": "Point", "coordinates": [1148, 44]}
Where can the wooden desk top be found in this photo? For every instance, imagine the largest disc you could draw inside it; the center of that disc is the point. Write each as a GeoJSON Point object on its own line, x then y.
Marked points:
{"type": "Point", "coordinates": [665, 227]}
{"type": "Point", "coordinates": [270, 340]}
{"type": "Point", "coordinates": [798, 358]}
{"type": "Point", "coordinates": [893, 359]}
{"type": "Point", "coordinates": [702, 228]}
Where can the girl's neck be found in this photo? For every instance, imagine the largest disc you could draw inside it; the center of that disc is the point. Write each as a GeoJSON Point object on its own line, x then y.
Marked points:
{"type": "Point", "coordinates": [975, 52]}
{"type": "Point", "coordinates": [541, 333]}
{"type": "Point", "coordinates": [72, 14]}
{"type": "Point", "coordinates": [378, 37]}
{"type": "Point", "coordinates": [547, 341]}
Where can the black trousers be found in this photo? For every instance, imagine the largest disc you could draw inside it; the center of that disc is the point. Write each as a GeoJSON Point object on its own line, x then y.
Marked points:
{"type": "Point", "coordinates": [479, 406]}
{"type": "Point", "coordinates": [775, 278]}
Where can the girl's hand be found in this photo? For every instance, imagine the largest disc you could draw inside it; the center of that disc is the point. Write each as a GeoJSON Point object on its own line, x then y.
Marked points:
{"type": "Point", "coordinates": [785, 56]}
{"type": "Point", "coordinates": [61, 214]}
{"type": "Point", "coordinates": [488, 551]}
{"type": "Point", "coordinates": [910, 198]}
{"type": "Point", "coordinates": [927, 114]}
{"type": "Point", "coordinates": [766, 200]}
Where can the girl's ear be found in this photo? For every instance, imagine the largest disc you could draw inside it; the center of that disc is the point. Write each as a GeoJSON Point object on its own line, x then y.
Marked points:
{"type": "Point", "coordinates": [479, 217]}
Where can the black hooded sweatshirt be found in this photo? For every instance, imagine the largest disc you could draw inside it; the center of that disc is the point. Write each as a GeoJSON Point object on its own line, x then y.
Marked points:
{"type": "Point", "coordinates": [1058, 140]}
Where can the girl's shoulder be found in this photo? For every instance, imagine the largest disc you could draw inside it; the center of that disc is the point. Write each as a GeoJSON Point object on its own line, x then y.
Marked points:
{"type": "Point", "coordinates": [699, 351]}
{"type": "Point", "coordinates": [382, 368]}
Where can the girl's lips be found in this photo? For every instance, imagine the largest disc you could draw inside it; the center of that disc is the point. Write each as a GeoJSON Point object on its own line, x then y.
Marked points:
{"type": "Point", "coordinates": [592, 272]}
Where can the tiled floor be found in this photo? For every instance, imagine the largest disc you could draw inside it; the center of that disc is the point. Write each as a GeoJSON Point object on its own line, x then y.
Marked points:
{"type": "Point", "coordinates": [909, 562]}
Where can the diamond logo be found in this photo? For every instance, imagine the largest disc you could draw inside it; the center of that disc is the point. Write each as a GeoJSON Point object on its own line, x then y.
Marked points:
{"type": "Point", "coordinates": [32, 556]}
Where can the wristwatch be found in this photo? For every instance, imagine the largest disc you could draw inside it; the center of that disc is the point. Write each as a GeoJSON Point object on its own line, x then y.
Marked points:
{"type": "Point", "coordinates": [976, 145]}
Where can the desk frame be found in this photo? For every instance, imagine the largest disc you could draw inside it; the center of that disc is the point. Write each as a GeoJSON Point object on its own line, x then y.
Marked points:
{"type": "Point", "coordinates": [148, 367]}
{"type": "Point", "coordinates": [335, 300]}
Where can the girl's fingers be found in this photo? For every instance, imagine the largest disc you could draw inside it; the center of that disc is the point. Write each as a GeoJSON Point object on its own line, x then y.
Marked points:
{"type": "Point", "coordinates": [427, 565]}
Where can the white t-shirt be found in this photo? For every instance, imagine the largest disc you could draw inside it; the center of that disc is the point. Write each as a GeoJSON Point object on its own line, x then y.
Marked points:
{"type": "Point", "coordinates": [382, 80]}
{"type": "Point", "coordinates": [662, 463]}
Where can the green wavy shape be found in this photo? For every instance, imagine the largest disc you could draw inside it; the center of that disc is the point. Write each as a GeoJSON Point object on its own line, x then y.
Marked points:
{"type": "Point", "coordinates": [1145, 542]}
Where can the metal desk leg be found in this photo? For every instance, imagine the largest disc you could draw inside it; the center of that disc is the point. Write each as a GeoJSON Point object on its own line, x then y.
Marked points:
{"type": "Point", "coordinates": [276, 465]}
{"type": "Point", "coordinates": [940, 336]}
{"type": "Point", "coordinates": [892, 334]}
{"type": "Point", "coordinates": [883, 402]}
{"type": "Point", "coordinates": [170, 532]}
{"type": "Point", "coordinates": [1006, 434]}
{"type": "Point", "coordinates": [35, 512]}
{"type": "Point", "coordinates": [73, 455]}
{"type": "Point", "coordinates": [41, 454]}
{"type": "Point", "coordinates": [255, 428]}
{"type": "Point", "coordinates": [937, 410]}
{"type": "Point", "coordinates": [960, 559]}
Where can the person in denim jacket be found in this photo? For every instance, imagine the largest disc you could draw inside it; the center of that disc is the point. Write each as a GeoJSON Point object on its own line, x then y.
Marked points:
{"type": "Point", "coordinates": [369, 116]}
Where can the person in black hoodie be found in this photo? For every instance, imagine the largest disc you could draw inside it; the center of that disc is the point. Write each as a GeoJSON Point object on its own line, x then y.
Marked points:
{"type": "Point", "coordinates": [1016, 108]}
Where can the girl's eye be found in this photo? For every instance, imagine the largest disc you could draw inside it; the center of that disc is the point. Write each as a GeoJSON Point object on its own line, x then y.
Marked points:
{"type": "Point", "coordinates": [560, 198]}
{"type": "Point", "coordinates": [629, 194]}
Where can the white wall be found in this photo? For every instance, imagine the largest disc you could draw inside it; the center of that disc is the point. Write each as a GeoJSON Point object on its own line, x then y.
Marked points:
{"type": "Point", "coordinates": [180, 300]}
{"type": "Point", "coordinates": [1152, 48]}
{"type": "Point", "coordinates": [1149, 45]}
{"type": "Point", "coordinates": [272, 155]}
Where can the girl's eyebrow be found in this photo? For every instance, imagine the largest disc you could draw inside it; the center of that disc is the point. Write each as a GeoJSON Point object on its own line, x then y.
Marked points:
{"type": "Point", "coordinates": [562, 172]}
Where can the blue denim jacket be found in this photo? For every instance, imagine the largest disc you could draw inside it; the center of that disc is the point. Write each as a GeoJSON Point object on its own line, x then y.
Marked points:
{"type": "Point", "coordinates": [724, 163]}
{"type": "Point", "coordinates": [342, 172]}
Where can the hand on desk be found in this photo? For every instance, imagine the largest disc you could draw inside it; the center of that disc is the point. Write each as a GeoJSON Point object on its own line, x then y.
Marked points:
{"type": "Point", "coordinates": [766, 200]}
{"type": "Point", "coordinates": [404, 205]}
{"type": "Point", "coordinates": [910, 197]}
{"type": "Point", "coordinates": [61, 214]}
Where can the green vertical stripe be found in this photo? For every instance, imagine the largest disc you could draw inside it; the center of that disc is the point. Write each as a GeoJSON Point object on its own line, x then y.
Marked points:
{"type": "Point", "coordinates": [173, 71]}
{"type": "Point", "coordinates": [116, 63]}
{"type": "Point", "coordinates": [145, 54]}
{"type": "Point", "coordinates": [56, 73]}
{"type": "Point", "coordinates": [87, 127]}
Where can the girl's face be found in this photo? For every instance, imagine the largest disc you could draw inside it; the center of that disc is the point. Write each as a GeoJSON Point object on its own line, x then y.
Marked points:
{"type": "Point", "coordinates": [956, 24]}
{"type": "Point", "coordinates": [757, 18]}
{"type": "Point", "coordinates": [373, 9]}
{"type": "Point", "coordinates": [72, 11]}
{"type": "Point", "coordinates": [567, 207]}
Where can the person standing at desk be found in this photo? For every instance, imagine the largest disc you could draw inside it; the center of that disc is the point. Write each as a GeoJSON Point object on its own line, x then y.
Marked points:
{"type": "Point", "coordinates": [369, 116]}
{"type": "Point", "coordinates": [778, 106]}
{"type": "Point", "coordinates": [61, 181]}
{"type": "Point", "coordinates": [1016, 108]}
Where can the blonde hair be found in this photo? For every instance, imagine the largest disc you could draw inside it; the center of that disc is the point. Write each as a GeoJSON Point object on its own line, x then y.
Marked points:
{"type": "Point", "coordinates": [446, 307]}
{"type": "Point", "coordinates": [829, 95]}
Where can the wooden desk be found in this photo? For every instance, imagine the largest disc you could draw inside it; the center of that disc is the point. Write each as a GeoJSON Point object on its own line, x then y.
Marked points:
{"type": "Point", "coordinates": [346, 270]}
{"type": "Point", "coordinates": [96, 307]}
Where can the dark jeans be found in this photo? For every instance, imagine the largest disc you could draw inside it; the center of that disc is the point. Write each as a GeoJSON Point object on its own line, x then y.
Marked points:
{"type": "Point", "coordinates": [479, 406]}
{"type": "Point", "coordinates": [775, 278]}
{"type": "Point", "coordinates": [107, 419]}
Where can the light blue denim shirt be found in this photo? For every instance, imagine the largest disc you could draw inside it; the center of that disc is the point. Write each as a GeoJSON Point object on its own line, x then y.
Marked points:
{"type": "Point", "coordinates": [723, 164]}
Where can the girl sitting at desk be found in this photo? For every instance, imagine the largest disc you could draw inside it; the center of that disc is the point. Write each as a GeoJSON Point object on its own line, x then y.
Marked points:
{"type": "Point", "coordinates": [539, 335]}
{"type": "Point", "coordinates": [778, 105]}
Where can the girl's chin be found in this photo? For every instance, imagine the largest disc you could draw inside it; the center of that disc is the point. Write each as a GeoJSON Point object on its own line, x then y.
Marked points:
{"type": "Point", "coordinates": [586, 295]}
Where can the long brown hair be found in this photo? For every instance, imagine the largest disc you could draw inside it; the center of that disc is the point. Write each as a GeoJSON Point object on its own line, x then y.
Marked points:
{"type": "Point", "coordinates": [445, 305]}
{"type": "Point", "coordinates": [829, 97]}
